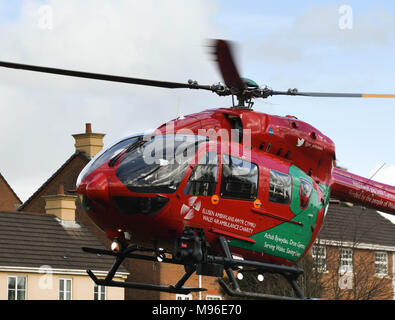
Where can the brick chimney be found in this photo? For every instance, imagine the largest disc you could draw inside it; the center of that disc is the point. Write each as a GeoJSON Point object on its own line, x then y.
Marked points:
{"type": "Point", "coordinates": [88, 142]}
{"type": "Point", "coordinates": [61, 205]}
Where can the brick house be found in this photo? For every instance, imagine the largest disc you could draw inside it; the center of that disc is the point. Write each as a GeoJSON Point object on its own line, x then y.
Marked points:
{"type": "Point", "coordinates": [355, 254]}
{"type": "Point", "coordinates": [40, 244]}
{"type": "Point", "coordinates": [41, 259]}
{"type": "Point", "coordinates": [86, 146]}
{"type": "Point", "coordinates": [8, 198]}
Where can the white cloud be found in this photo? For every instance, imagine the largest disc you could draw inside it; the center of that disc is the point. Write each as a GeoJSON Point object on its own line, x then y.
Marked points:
{"type": "Point", "coordinates": [148, 39]}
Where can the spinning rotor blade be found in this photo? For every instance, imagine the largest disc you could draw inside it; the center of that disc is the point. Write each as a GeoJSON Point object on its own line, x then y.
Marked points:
{"type": "Point", "coordinates": [105, 77]}
{"type": "Point", "coordinates": [244, 89]}
{"type": "Point", "coordinates": [227, 65]}
{"type": "Point", "coordinates": [294, 92]}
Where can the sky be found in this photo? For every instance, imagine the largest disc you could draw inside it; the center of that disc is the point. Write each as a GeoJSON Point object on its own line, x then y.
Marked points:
{"type": "Point", "coordinates": [309, 45]}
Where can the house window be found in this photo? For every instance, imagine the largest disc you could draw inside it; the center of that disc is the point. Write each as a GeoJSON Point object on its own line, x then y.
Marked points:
{"type": "Point", "coordinates": [346, 260]}
{"type": "Point", "coordinates": [64, 289]}
{"type": "Point", "coordinates": [280, 187]}
{"type": "Point", "coordinates": [381, 263]}
{"type": "Point", "coordinates": [99, 292]}
{"type": "Point", "coordinates": [239, 178]}
{"type": "Point", "coordinates": [319, 257]}
{"type": "Point", "coordinates": [183, 296]}
{"type": "Point", "coordinates": [16, 287]}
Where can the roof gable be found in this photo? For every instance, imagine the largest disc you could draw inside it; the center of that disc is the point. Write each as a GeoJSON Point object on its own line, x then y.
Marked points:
{"type": "Point", "coordinates": [357, 225]}
{"type": "Point", "coordinates": [35, 203]}
{"type": "Point", "coordinates": [8, 198]}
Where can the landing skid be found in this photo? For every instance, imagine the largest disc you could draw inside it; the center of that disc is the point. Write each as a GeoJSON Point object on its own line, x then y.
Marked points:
{"type": "Point", "coordinates": [191, 252]}
{"type": "Point", "coordinates": [290, 273]}
{"type": "Point", "coordinates": [128, 253]}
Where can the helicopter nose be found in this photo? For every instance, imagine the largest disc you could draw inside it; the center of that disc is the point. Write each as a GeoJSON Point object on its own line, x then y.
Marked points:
{"type": "Point", "coordinates": [97, 188]}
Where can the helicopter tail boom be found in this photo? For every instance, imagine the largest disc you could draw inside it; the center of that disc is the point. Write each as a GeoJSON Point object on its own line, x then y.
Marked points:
{"type": "Point", "coordinates": [356, 189]}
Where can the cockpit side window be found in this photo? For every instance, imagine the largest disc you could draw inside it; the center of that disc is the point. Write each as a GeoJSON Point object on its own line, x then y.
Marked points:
{"type": "Point", "coordinates": [239, 178]}
{"type": "Point", "coordinates": [305, 193]}
{"type": "Point", "coordinates": [280, 187]}
{"type": "Point", "coordinates": [204, 177]}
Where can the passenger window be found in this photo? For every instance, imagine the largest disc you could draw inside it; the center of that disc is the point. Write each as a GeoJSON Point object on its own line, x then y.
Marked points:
{"type": "Point", "coordinates": [204, 177]}
{"type": "Point", "coordinates": [280, 187]}
{"type": "Point", "coordinates": [239, 178]}
{"type": "Point", "coordinates": [305, 193]}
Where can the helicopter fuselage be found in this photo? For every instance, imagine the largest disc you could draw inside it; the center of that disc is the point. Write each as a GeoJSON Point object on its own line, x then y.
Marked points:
{"type": "Point", "coordinates": [269, 207]}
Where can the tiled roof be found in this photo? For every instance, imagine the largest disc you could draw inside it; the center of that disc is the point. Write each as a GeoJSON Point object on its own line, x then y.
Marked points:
{"type": "Point", "coordinates": [33, 240]}
{"type": "Point", "coordinates": [35, 194]}
{"type": "Point", "coordinates": [357, 225]}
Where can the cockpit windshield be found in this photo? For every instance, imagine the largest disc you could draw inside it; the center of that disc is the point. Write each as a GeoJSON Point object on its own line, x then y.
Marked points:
{"type": "Point", "coordinates": [158, 164]}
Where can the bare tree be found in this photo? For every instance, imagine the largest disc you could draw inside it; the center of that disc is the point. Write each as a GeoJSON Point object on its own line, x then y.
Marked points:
{"type": "Point", "coordinates": [349, 270]}
{"type": "Point", "coordinates": [276, 284]}
{"type": "Point", "coordinates": [351, 265]}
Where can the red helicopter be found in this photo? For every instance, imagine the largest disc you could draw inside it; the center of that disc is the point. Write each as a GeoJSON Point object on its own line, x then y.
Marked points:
{"type": "Point", "coordinates": [219, 189]}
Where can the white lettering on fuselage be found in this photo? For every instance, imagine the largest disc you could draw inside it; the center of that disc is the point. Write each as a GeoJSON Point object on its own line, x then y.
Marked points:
{"type": "Point", "coordinates": [223, 220]}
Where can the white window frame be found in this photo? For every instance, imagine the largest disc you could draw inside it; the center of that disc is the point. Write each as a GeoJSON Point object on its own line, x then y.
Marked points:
{"type": "Point", "coordinates": [378, 263]}
{"type": "Point", "coordinates": [100, 291]}
{"type": "Point", "coordinates": [346, 260]}
{"type": "Point", "coordinates": [184, 296]}
{"type": "Point", "coordinates": [64, 288]}
{"type": "Point", "coordinates": [319, 257]}
{"type": "Point", "coordinates": [24, 290]}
